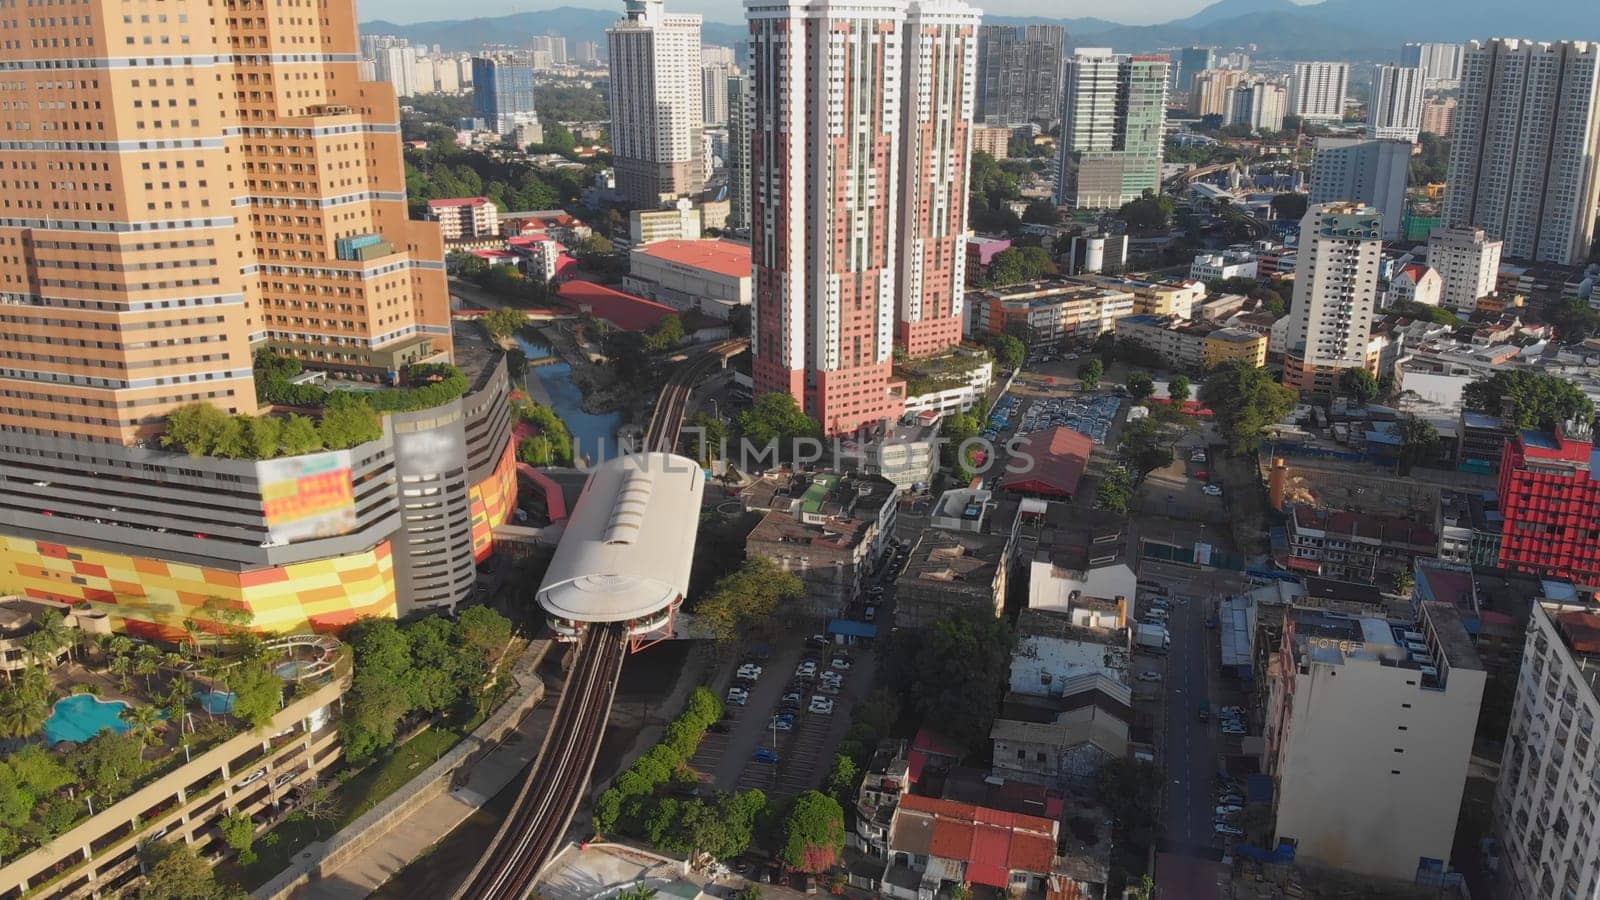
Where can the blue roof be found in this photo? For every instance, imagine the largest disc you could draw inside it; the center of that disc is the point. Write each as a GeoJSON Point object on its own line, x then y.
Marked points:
{"type": "Point", "coordinates": [1384, 437]}
{"type": "Point", "coordinates": [852, 628]}
{"type": "Point", "coordinates": [1533, 437]}
{"type": "Point", "coordinates": [1475, 419]}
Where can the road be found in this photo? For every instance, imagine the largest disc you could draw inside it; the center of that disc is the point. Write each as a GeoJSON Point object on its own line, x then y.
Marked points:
{"type": "Point", "coordinates": [1189, 746]}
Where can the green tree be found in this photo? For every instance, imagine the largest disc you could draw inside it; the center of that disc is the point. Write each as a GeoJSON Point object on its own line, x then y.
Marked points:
{"type": "Point", "coordinates": [1291, 206]}
{"type": "Point", "coordinates": [1115, 489]}
{"type": "Point", "coordinates": [1150, 214]}
{"type": "Point", "coordinates": [1403, 583]}
{"type": "Point", "coordinates": [345, 427]}
{"type": "Point", "coordinates": [1091, 372]}
{"type": "Point", "coordinates": [1011, 352]}
{"type": "Point", "coordinates": [1537, 400]}
{"type": "Point", "coordinates": [109, 762]}
{"type": "Point", "coordinates": [749, 892]}
{"type": "Point", "coordinates": [1359, 384]}
{"type": "Point", "coordinates": [991, 188]}
{"type": "Point", "coordinates": [196, 428]}
{"type": "Point", "coordinates": [1419, 442]}
{"type": "Point", "coordinates": [502, 323]}
{"type": "Point", "coordinates": [239, 833]}
{"type": "Point", "coordinates": [1178, 388]}
{"type": "Point", "coordinates": [1140, 385]}
{"type": "Point", "coordinates": [1020, 264]}
{"type": "Point", "coordinates": [752, 593]}
{"type": "Point", "coordinates": [1143, 448]}
{"type": "Point", "coordinates": [666, 335]}
{"type": "Point", "coordinates": [1425, 313]}
{"type": "Point", "coordinates": [1432, 164]}
{"type": "Point", "coordinates": [174, 871]}
{"type": "Point", "coordinates": [144, 722]}
{"type": "Point", "coordinates": [775, 417]}
{"type": "Point", "coordinates": [813, 833]}
{"type": "Point", "coordinates": [843, 776]}
{"type": "Point", "coordinates": [258, 692]}
{"type": "Point", "coordinates": [485, 631]}
{"type": "Point", "coordinates": [1245, 400]}
{"type": "Point", "coordinates": [1041, 212]}
{"type": "Point", "coordinates": [1573, 319]}
{"type": "Point", "coordinates": [954, 672]}
{"type": "Point", "coordinates": [25, 704]}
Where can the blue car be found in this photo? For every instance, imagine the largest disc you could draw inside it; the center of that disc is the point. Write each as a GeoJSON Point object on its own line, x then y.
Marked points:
{"type": "Point", "coordinates": [764, 755]}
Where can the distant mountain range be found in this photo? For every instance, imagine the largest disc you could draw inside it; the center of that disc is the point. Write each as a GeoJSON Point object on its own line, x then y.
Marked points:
{"type": "Point", "coordinates": [1341, 29]}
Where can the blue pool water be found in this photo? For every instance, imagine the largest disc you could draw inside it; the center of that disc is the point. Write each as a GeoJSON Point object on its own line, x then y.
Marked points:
{"type": "Point", "coordinates": [82, 716]}
{"type": "Point", "coordinates": [216, 702]}
{"type": "Point", "coordinates": [292, 669]}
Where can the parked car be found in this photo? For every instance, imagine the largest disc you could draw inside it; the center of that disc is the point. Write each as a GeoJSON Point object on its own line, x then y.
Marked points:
{"type": "Point", "coordinates": [749, 672]}
{"type": "Point", "coordinates": [832, 677]}
{"type": "Point", "coordinates": [870, 614]}
{"type": "Point", "coordinates": [842, 663]}
{"type": "Point", "coordinates": [252, 778]}
{"type": "Point", "coordinates": [1229, 830]}
{"type": "Point", "coordinates": [1229, 810]}
{"type": "Point", "coordinates": [1149, 675]}
{"type": "Point", "coordinates": [791, 700]}
{"type": "Point", "coordinates": [782, 722]}
{"type": "Point", "coordinates": [764, 755]}
{"type": "Point", "coordinates": [822, 706]}
{"type": "Point", "coordinates": [817, 640]}
{"type": "Point", "coordinates": [807, 669]}
{"type": "Point", "coordinates": [1212, 490]}
{"type": "Point", "coordinates": [738, 696]}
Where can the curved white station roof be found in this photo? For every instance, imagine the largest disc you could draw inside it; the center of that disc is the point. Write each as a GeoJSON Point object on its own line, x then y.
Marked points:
{"type": "Point", "coordinates": [629, 544]}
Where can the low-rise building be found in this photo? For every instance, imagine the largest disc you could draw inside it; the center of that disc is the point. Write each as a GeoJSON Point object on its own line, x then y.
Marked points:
{"type": "Point", "coordinates": [542, 256]}
{"type": "Point", "coordinates": [950, 572]}
{"type": "Point", "coordinates": [1544, 796]}
{"type": "Point", "coordinates": [1369, 730]}
{"type": "Point", "coordinates": [679, 222]}
{"type": "Point", "coordinates": [937, 844]}
{"type": "Point", "coordinates": [826, 528]}
{"type": "Point", "coordinates": [1230, 263]}
{"type": "Point", "coordinates": [466, 218]}
{"type": "Point", "coordinates": [707, 276]}
{"type": "Point", "coordinates": [1193, 345]}
{"type": "Point", "coordinates": [981, 251]}
{"type": "Point", "coordinates": [991, 140]}
{"type": "Point", "coordinates": [1416, 283]}
{"type": "Point", "coordinates": [950, 382]}
{"type": "Point", "coordinates": [1357, 546]}
{"type": "Point", "coordinates": [1078, 559]}
{"type": "Point", "coordinates": [1469, 527]}
{"type": "Point", "coordinates": [1154, 298]}
{"type": "Point", "coordinates": [1052, 314]}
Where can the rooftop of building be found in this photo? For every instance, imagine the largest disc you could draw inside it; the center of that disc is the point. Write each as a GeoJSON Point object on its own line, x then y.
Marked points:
{"type": "Point", "coordinates": [448, 202]}
{"type": "Point", "coordinates": [1056, 624]}
{"type": "Point", "coordinates": [991, 843]}
{"type": "Point", "coordinates": [1329, 590]}
{"type": "Point", "coordinates": [1046, 293]}
{"type": "Point", "coordinates": [1370, 527]}
{"type": "Point", "coordinates": [955, 562]}
{"type": "Point", "coordinates": [1234, 335]}
{"type": "Point", "coordinates": [968, 504]}
{"type": "Point", "coordinates": [826, 509]}
{"type": "Point", "coordinates": [1060, 457]}
{"type": "Point", "coordinates": [727, 258]}
{"type": "Point", "coordinates": [1477, 510]}
{"type": "Point", "coordinates": [1334, 639]}
{"type": "Point", "coordinates": [1579, 630]}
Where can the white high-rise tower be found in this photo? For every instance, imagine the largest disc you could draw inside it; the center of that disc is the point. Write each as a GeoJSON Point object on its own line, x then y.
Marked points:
{"type": "Point", "coordinates": [1395, 112]}
{"type": "Point", "coordinates": [1335, 288]}
{"type": "Point", "coordinates": [657, 118]}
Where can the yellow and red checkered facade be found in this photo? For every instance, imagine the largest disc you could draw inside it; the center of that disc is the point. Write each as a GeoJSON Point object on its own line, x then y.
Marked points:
{"type": "Point", "coordinates": [492, 502]}
{"type": "Point", "coordinates": [153, 597]}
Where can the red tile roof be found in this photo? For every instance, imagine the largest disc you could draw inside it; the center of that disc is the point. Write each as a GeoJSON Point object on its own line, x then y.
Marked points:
{"type": "Point", "coordinates": [992, 843]}
{"type": "Point", "coordinates": [625, 311]}
{"type": "Point", "coordinates": [1060, 456]}
{"type": "Point", "coordinates": [727, 258]}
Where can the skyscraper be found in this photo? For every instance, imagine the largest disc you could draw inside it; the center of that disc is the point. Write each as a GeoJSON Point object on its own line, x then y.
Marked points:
{"type": "Point", "coordinates": [1439, 116]}
{"type": "Point", "coordinates": [1191, 62]}
{"type": "Point", "coordinates": [739, 124]}
{"type": "Point", "coordinates": [1335, 287]}
{"type": "Point", "coordinates": [502, 94]}
{"type": "Point", "coordinates": [588, 53]}
{"type": "Point", "coordinates": [1523, 165]}
{"type": "Point", "coordinates": [1468, 263]}
{"type": "Point", "coordinates": [1317, 90]}
{"type": "Point", "coordinates": [1440, 64]}
{"type": "Point", "coordinates": [1114, 108]}
{"type": "Point", "coordinates": [657, 116]}
{"type": "Point", "coordinates": [553, 44]}
{"type": "Point", "coordinates": [1259, 105]}
{"type": "Point", "coordinates": [1019, 74]}
{"type": "Point", "coordinates": [144, 267]}
{"type": "Point", "coordinates": [1366, 171]}
{"type": "Point", "coordinates": [1209, 90]}
{"type": "Point", "coordinates": [840, 129]}
{"type": "Point", "coordinates": [1396, 109]}
{"type": "Point", "coordinates": [714, 93]}
{"type": "Point", "coordinates": [937, 106]}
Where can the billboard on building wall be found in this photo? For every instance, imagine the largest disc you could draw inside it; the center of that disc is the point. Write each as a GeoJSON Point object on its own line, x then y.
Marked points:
{"type": "Point", "coordinates": [310, 496]}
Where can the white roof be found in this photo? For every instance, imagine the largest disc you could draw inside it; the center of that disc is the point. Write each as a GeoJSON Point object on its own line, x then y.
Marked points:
{"type": "Point", "coordinates": [629, 544]}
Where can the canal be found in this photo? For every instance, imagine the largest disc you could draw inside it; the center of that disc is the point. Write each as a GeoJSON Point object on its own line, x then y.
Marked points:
{"type": "Point", "coordinates": [552, 385]}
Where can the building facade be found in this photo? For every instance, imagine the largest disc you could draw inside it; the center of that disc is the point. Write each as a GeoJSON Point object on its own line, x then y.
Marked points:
{"type": "Point", "coordinates": [1468, 263]}
{"type": "Point", "coordinates": [1335, 290]}
{"type": "Point", "coordinates": [1380, 800]}
{"type": "Point", "coordinates": [1191, 62]}
{"type": "Point", "coordinates": [1395, 111]}
{"type": "Point", "coordinates": [1525, 171]}
{"type": "Point", "coordinates": [657, 112]}
{"type": "Point", "coordinates": [466, 217]}
{"type": "Point", "coordinates": [739, 127]}
{"type": "Point", "coordinates": [940, 61]}
{"type": "Point", "coordinates": [502, 92]}
{"type": "Point", "coordinates": [1440, 63]}
{"type": "Point", "coordinates": [1052, 315]}
{"type": "Point", "coordinates": [1019, 74]}
{"type": "Point", "coordinates": [1317, 90]}
{"type": "Point", "coordinates": [1367, 171]}
{"type": "Point", "coordinates": [712, 277]}
{"type": "Point", "coordinates": [1114, 110]}
{"type": "Point", "coordinates": [1258, 105]}
{"type": "Point", "coordinates": [1439, 116]}
{"type": "Point", "coordinates": [1209, 94]}
{"type": "Point", "coordinates": [1546, 784]}
{"type": "Point", "coordinates": [714, 94]}
{"type": "Point", "coordinates": [1550, 506]}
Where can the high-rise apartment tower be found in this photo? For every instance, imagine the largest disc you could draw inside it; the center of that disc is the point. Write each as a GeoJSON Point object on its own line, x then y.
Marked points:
{"type": "Point", "coordinates": [1114, 108]}
{"type": "Point", "coordinates": [1019, 73]}
{"type": "Point", "coordinates": [657, 114]}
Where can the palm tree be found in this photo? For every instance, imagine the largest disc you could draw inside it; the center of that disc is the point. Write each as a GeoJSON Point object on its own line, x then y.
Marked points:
{"type": "Point", "coordinates": [25, 707]}
{"type": "Point", "coordinates": [119, 645]}
{"type": "Point", "coordinates": [53, 627]}
{"type": "Point", "coordinates": [147, 662]}
{"type": "Point", "coordinates": [144, 722]}
{"type": "Point", "coordinates": [122, 667]}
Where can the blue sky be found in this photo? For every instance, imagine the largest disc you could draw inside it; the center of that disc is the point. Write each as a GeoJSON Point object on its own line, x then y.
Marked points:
{"type": "Point", "coordinates": [1138, 12]}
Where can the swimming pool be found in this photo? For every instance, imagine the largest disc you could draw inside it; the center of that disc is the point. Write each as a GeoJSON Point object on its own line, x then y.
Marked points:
{"type": "Point", "coordinates": [216, 702]}
{"type": "Point", "coordinates": [82, 716]}
{"type": "Point", "coordinates": [293, 669]}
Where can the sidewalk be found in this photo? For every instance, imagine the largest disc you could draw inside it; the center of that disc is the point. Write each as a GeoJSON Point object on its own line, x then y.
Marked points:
{"type": "Point", "coordinates": [434, 821]}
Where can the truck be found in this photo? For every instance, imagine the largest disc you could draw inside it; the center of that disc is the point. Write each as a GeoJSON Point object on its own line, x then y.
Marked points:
{"type": "Point", "coordinates": [1152, 638]}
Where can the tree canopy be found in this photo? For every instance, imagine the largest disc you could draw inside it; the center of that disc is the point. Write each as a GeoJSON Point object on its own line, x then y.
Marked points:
{"type": "Point", "coordinates": [1178, 388]}
{"type": "Point", "coordinates": [991, 188]}
{"type": "Point", "coordinates": [1291, 206]}
{"type": "Point", "coordinates": [775, 417]}
{"type": "Point", "coordinates": [1150, 214]}
{"type": "Point", "coordinates": [502, 323]}
{"type": "Point", "coordinates": [1143, 448]}
{"type": "Point", "coordinates": [1245, 400]}
{"type": "Point", "coordinates": [1011, 353]}
{"type": "Point", "coordinates": [751, 593]}
{"type": "Point", "coordinates": [1140, 385]}
{"type": "Point", "coordinates": [1020, 264]}
{"type": "Point", "coordinates": [1360, 385]}
{"type": "Point", "coordinates": [1537, 400]}
{"type": "Point", "coordinates": [954, 672]}
{"type": "Point", "coordinates": [1115, 489]}
{"type": "Point", "coordinates": [1091, 372]}
{"type": "Point", "coordinates": [813, 833]}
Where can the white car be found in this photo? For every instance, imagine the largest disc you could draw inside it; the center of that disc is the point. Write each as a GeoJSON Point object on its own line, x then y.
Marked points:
{"type": "Point", "coordinates": [842, 663]}
{"type": "Point", "coordinates": [1149, 676]}
{"type": "Point", "coordinates": [1229, 810]}
{"type": "Point", "coordinates": [1212, 490]}
{"type": "Point", "coordinates": [252, 778]}
{"type": "Point", "coordinates": [829, 676]}
{"type": "Point", "coordinates": [807, 669]}
{"type": "Point", "coordinates": [749, 671]}
{"type": "Point", "coordinates": [782, 723]}
{"type": "Point", "coordinates": [738, 696]}
{"type": "Point", "coordinates": [1229, 830]}
{"type": "Point", "coordinates": [822, 706]}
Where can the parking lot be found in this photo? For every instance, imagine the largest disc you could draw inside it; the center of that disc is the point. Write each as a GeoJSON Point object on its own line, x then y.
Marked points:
{"type": "Point", "coordinates": [1189, 489]}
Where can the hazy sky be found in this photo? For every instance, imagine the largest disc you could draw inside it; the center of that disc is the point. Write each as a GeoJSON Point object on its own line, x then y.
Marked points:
{"type": "Point", "coordinates": [1136, 12]}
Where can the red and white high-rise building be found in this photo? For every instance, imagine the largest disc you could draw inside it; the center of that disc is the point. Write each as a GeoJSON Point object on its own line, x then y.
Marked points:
{"type": "Point", "coordinates": [937, 110]}
{"type": "Point", "coordinates": [826, 153]}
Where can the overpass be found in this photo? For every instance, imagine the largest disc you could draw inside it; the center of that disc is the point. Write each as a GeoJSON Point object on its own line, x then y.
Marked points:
{"type": "Point", "coordinates": [672, 407]}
